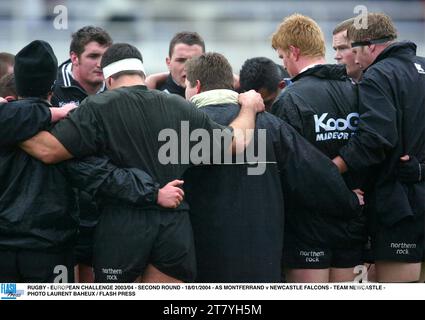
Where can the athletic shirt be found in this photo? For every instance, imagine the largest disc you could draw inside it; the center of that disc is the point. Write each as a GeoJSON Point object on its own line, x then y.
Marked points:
{"type": "Point", "coordinates": [125, 124]}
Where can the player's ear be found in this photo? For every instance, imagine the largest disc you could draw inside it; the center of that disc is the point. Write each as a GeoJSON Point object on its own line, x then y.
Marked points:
{"type": "Point", "coordinates": [198, 86]}
{"type": "Point", "coordinates": [74, 58]}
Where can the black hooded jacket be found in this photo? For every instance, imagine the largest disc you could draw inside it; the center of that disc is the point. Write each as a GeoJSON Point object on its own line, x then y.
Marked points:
{"type": "Point", "coordinates": [321, 104]}
{"type": "Point", "coordinates": [392, 123]}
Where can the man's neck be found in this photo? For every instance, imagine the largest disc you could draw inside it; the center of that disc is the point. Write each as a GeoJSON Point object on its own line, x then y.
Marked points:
{"type": "Point", "coordinates": [175, 82]}
{"type": "Point", "coordinates": [305, 62]}
{"type": "Point", "coordinates": [90, 88]}
{"type": "Point", "coordinates": [357, 77]}
{"type": "Point", "coordinates": [381, 47]}
{"type": "Point", "coordinates": [128, 81]}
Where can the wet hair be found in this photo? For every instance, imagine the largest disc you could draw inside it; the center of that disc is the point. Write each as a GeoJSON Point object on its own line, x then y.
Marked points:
{"type": "Point", "coordinates": [261, 72]}
{"type": "Point", "coordinates": [7, 86]}
{"type": "Point", "coordinates": [344, 25]}
{"type": "Point", "coordinates": [120, 51]}
{"type": "Point", "coordinates": [6, 60]}
{"type": "Point", "coordinates": [212, 69]}
{"type": "Point", "coordinates": [379, 26]}
{"type": "Point", "coordinates": [186, 37]}
{"type": "Point", "coordinates": [86, 35]}
{"type": "Point", "coordinates": [301, 32]}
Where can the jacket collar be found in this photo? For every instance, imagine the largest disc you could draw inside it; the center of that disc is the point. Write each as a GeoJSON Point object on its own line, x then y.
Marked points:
{"type": "Point", "coordinates": [325, 71]}
{"type": "Point", "coordinates": [170, 86]}
{"type": "Point", "coordinates": [66, 79]}
{"type": "Point", "coordinates": [32, 100]}
{"type": "Point", "coordinates": [212, 97]}
{"type": "Point", "coordinates": [396, 49]}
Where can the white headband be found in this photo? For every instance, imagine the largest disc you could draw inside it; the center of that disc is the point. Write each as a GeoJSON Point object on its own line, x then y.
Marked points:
{"type": "Point", "coordinates": [132, 64]}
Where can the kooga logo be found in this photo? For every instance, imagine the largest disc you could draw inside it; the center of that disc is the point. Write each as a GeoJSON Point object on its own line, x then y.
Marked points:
{"type": "Point", "coordinates": [339, 124]}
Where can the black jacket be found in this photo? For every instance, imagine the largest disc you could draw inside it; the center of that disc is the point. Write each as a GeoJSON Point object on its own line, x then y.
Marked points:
{"type": "Point", "coordinates": [392, 123]}
{"type": "Point", "coordinates": [38, 208]}
{"type": "Point", "coordinates": [321, 104]}
{"type": "Point", "coordinates": [34, 115]}
{"type": "Point", "coordinates": [170, 86]}
{"type": "Point", "coordinates": [238, 218]}
{"type": "Point", "coordinates": [67, 90]}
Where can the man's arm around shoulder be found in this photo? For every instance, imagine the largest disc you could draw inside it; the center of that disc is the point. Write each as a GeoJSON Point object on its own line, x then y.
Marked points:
{"type": "Point", "coordinates": [45, 147]}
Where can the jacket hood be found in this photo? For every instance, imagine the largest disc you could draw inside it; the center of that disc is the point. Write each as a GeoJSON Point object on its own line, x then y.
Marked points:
{"type": "Point", "coordinates": [325, 71]}
{"type": "Point", "coordinates": [398, 49]}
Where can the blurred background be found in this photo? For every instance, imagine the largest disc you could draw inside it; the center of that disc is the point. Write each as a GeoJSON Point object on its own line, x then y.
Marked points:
{"type": "Point", "coordinates": [238, 29]}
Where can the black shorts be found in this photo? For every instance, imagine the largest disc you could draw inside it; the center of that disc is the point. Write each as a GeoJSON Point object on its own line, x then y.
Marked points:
{"type": "Point", "coordinates": [368, 256]}
{"type": "Point", "coordinates": [36, 266]}
{"type": "Point", "coordinates": [401, 242]}
{"type": "Point", "coordinates": [302, 255]}
{"type": "Point", "coordinates": [126, 241]}
{"type": "Point", "coordinates": [84, 247]}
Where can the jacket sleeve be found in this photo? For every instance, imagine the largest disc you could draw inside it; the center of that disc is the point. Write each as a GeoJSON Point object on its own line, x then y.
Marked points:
{"type": "Point", "coordinates": [311, 180]}
{"type": "Point", "coordinates": [99, 177]}
{"type": "Point", "coordinates": [377, 132]}
{"type": "Point", "coordinates": [286, 108]}
{"type": "Point", "coordinates": [54, 100]}
{"type": "Point", "coordinates": [21, 122]}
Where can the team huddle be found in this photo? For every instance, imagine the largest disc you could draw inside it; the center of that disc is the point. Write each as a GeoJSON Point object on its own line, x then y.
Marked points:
{"type": "Point", "coordinates": [299, 172]}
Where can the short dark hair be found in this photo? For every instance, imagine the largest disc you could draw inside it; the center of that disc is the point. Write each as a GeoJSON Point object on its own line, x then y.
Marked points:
{"type": "Point", "coordinates": [6, 60]}
{"type": "Point", "coordinates": [260, 72]}
{"type": "Point", "coordinates": [7, 86]}
{"type": "Point", "coordinates": [120, 51]}
{"type": "Point", "coordinates": [86, 35]}
{"type": "Point", "coordinates": [283, 73]}
{"type": "Point", "coordinates": [344, 25]}
{"type": "Point", "coordinates": [212, 69]}
{"type": "Point", "coordinates": [186, 37]}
